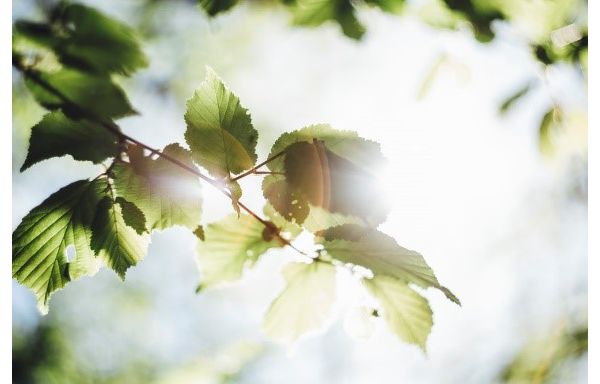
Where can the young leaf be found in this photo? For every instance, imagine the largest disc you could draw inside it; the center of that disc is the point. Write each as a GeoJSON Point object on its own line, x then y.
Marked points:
{"type": "Point", "coordinates": [219, 130]}
{"type": "Point", "coordinates": [383, 256]}
{"type": "Point", "coordinates": [57, 135]}
{"type": "Point", "coordinates": [97, 95]}
{"type": "Point", "coordinates": [236, 193]}
{"type": "Point", "coordinates": [114, 241]}
{"type": "Point", "coordinates": [305, 303]}
{"type": "Point", "coordinates": [407, 313]}
{"type": "Point", "coordinates": [214, 7]}
{"type": "Point", "coordinates": [230, 245]}
{"type": "Point", "coordinates": [40, 242]}
{"type": "Point", "coordinates": [166, 194]}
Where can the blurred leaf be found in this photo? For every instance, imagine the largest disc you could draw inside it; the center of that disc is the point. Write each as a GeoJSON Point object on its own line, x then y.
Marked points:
{"type": "Point", "coordinates": [229, 246]}
{"type": "Point", "coordinates": [40, 241]}
{"type": "Point", "coordinates": [511, 100]}
{"type": "Point", "coordinates": [95, 94]}
{"type": "Point", "coordinates": [167, 194]}
{"type": "Point", "coordinates": [407, 313]}
{"type": "Point", "coordinates": [219, 130]}
{"type": "Point", "coordinates": [114, 241]}
{"type": "Point", "coordinates": [85, 38]}
{"type": "Point", "coordinates": [305, 303]}
{"type": "Point", "coordinates": [57, 135]}
{"type": "Point", "coordinates": [548, 125]}
{"type": "Point", "coordinates": [480, 15]}
{"type": "Point", "coordinates": [313, 13]}
{"type": "Point", "coordinates": [383, 256]}
{"type": "Point", "coordinates": [543, 358]}
{"type": "Point", "coordinates": [214, 7]}
{"type": "Point", "coordinates": [390, 6]}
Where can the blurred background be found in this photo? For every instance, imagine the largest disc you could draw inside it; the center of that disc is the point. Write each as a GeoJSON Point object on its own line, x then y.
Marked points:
{"type": "Point", "coordinates": [492, 193]}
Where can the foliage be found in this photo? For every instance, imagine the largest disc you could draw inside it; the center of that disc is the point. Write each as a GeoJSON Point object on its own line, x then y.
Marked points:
{"type": "Point", "coordinates": [320, 180]}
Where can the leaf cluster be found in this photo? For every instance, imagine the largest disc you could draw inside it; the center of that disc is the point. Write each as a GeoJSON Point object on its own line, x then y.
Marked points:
{"type": "Point", "coordinates": [319, 180]}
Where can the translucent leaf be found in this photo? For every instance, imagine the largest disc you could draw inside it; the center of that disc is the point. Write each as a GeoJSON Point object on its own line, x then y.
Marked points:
{"type": "Point", "coordinates": [114, 241]}
{"type": "Point", "coordinates": [85, 38]}
{"type": "Point", "coordinates": [219, 130]}
{"type": "Point", "coordinates": [406, 312]}
{"type": "Point", "coordinates": [57, 135]}
{"type": "Point", "coordinates": [92, 93]}
{"type": "Point", "coordinates": [326, 168]}
{"type": "Point", "coordinates": [229, 246]}
{"type": "Point", "coordinates": [305, 303]}
{"type": "Point", "coordinates": [214, 7]}
{"type": "Point", "coordinates": [236, 193]}
{"type": "Point", "coordinates": [166, 194]}
{"type": "Point", "coordinates": [383, 256]}
{"type": "Point", "coordinates": [41, 240]}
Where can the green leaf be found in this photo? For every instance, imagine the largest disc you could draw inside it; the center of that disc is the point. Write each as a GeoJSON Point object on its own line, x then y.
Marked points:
{"type": "Point", "coordinates": [94, 94]}
{"type": "Point", "coordinates": [166, 194]}
{"type": "Point", "coordinates": [326, 168]}
{"type": "Point", "coordinates": [219, 130]}
{"type": "Point", "coordinates": [510, 101]}
{"type": "Point", "coordinates": [383, 256]}
{"type": "Point", "coordinates": [214, 7]}
{"type": "Point", "coordinates": [41, 240]}
{"type": "Point", "coordinates": [548, 126]}
{"type": "Point", "coordinates": [114, 241]}
{"type": "Point", "coordinates": [229, 246]}
{"type": "Point", "coordinates": [132, 215]}
{"type": "Point", "coordinates": [305, 303]}
{"type": "Point", "coordinates": [407, 313]}
{"type": "Point", "coordinates": [57, 135]}
{"type": "Point", "coordinates": [313, 13]}
{"type": "Point", "coordinates": [87, 39]}
{"type": "Point", "coordinates": [236, 193]}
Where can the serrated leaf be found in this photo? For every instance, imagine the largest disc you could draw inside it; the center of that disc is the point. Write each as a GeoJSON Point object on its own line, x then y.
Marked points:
{"type": "Point", "coordinates": [305, 303]}
{"type": "Point", "coordinates": [406, 312]}
{"type": "Point", "coordinates": [166, 194]}
{"type": "Point", "coordinates": [280, 222]}
{"type": "Point", "coordinates": [326, 168]}
{"type": "Point", "coordinates": [214, 7]}
{"type": "Point", "coordinates": [57, 135]}
{"type": "Point", "coordinates": [94, 94]}
{"type": "Point", "coordinates": [41, 240]}
{"type": "Point", "coordinates": [114, 241]}
{"type": "Point", "coordinates": [219, 130]}
{"type": "Point", "coordinates": [132, 215]}
{"type": "Point", "coordinates": [351, 232]}
{"type": "Point", "coordinates": [85, 38]}
{"type": "Point", "coordinates": [229, 246]}
{"type": "Point", "coordinates": [383, 256]}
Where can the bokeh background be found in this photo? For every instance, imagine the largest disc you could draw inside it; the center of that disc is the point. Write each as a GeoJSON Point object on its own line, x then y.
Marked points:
{"type": "Point", "coordinates": [498, 210]}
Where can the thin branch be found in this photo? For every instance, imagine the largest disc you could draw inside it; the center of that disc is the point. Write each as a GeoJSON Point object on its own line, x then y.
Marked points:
{"type": "Point", "coordinates": [254, 169]}
{"type": "Point", "coordinates": [116, 130]}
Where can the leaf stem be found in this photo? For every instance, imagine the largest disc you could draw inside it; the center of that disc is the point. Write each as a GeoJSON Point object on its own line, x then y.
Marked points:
{"type": "Point", "coordinates": [254, 169]}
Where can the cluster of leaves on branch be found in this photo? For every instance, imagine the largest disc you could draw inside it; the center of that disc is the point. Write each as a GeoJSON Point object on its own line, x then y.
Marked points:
{"type": "Point", "coordinates": [319, 180]}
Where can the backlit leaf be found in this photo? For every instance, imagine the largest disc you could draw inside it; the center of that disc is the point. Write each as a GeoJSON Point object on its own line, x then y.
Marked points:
{"type": "Point", "coordinates": [305, 303]}
{"type": "Point", "coordinates": [57, 135]}
{"type": "Point", "coordinates": [41, 240]}
{"type": "Point", "coordinates": [230, 245]}
{"type": "Point", "coordinates": [219, 130]}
